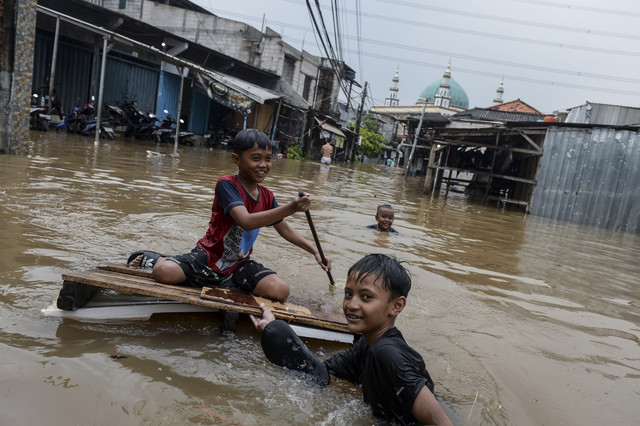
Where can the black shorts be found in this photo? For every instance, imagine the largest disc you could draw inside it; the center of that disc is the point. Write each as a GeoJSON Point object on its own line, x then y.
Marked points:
{"type": "Point", "coordinates": [196, 268]}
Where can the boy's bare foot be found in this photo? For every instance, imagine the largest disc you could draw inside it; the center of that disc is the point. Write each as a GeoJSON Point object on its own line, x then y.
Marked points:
{"type": "Point", "coordinates": [144, 259]}
{"type": "Point", "coordinates": [136, 261]}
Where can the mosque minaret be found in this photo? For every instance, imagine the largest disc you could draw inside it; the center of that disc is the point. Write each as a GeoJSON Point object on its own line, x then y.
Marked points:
{"type": "Point", "coordinates": [499, 92]}
{"type": "Point", "coordinates": [392, 99]}
{"type": "Point", "coordinates": [443, 98]}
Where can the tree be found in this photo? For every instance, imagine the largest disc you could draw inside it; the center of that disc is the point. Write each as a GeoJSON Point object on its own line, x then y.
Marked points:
{"type": "Point", "coordinates": [372, 141]}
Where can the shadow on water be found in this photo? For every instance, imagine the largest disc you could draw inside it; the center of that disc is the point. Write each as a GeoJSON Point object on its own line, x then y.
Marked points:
{"type": "Point", "coordinates": [521, 320]}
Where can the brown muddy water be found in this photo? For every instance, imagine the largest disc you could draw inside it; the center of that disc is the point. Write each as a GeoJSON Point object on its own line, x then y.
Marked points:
{"type": "Point", "coordinates": [521, 320]}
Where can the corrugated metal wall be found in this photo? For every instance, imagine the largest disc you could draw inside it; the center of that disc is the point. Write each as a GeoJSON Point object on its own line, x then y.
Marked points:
{"type": "Point", "coordinates": [590, 176]}
{"type": "Point", "coordinates": [125, 80]}
{"type": "Point", "coordinates": [199, 117]}
{"type": "Point", "coordinates": [73, 71]}
{"type": "Point", "coordinates": [168, 92]}
{"type": "Point", "coordinates": [129, 81]}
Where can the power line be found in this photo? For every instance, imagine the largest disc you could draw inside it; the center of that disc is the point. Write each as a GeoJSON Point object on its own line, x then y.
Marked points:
{"type": "Point", "coordinates": [576, 7]}
{"type": "Point", "coordinates": [498, 75]}
{"type": "Point", "coordinates": [501, 62]}
{"type": "Point", "coordinates": [503, 19]}
{"type": "Point", "coordinates": [492, 35]}
{"type": "Point", "coordinates": [501, 36]}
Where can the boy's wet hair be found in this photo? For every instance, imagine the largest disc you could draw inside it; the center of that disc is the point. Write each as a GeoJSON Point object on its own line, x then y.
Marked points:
{"type": "Point", "coordinates": [248, 138]}
{"type": "Point", "coordinates": [389, 270]}
{"type": "Point", "coordinates": [384, 206]}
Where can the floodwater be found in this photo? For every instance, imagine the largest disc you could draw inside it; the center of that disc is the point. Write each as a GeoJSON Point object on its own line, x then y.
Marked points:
{"type": "Point", "coordinates": [521, 320]}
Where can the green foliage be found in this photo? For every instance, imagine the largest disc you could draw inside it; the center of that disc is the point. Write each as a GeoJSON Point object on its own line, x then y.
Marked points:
{"type": "Point", "coordinates": [370, 123]}
{"type": "Point", "coordinates": [295, 152]}
{"type": "Point", "coordinates": [372, 141]}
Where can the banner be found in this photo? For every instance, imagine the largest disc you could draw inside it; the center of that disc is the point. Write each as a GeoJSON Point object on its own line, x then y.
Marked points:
{"type": "Point", "coordinates": [223, 94]}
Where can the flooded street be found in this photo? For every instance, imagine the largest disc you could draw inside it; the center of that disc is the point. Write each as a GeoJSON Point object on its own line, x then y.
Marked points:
{"type": "Point", "coordinates": [520, 319]}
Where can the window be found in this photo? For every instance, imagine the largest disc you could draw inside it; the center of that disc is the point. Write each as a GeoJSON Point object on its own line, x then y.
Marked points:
{"type": "Point", "coordinates": [123, 4]}
{"type": "Point", "coordinates": [306, 91]}
{"type": "Point", "coordinates": [288, 68]}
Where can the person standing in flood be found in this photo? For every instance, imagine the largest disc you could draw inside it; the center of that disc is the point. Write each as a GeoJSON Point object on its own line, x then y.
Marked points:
{"type": "Point", "coordinates": [326, 151]}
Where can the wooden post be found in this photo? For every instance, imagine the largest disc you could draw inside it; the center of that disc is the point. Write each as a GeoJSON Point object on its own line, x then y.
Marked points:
{"type": "Point", "coordinates": [428, 180]}
{"type": "Point", "coordinates": [491, 171]}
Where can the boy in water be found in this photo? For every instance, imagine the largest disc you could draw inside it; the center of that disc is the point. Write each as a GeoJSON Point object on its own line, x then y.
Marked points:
{"type": "Point", "coordinates": [384, 217]}
{"type": "Point", "coordinates": [394, 380]}
{"type": "Point", "coordinates": [240, 208]}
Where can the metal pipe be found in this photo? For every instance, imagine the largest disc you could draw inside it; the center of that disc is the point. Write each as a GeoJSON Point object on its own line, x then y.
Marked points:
{"type": "Point", "coordinates": [52, 73]}
{"type": "Point", "coordinates": [415, 138]}
{"type": "Point", "coordinates": [275, 122]}
{"type": "Point", "coordinates": [175, 147]}
{"type": "Point", "coordinates": [101, 89]}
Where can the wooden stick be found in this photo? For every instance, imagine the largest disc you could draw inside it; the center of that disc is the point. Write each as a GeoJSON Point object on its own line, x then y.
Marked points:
{"type": "Point", "coordinates": [315, 238]}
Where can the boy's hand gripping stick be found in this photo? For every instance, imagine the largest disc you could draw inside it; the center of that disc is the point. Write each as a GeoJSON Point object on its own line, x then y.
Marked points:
{"type": "Point", "coordinates": [315, 238]}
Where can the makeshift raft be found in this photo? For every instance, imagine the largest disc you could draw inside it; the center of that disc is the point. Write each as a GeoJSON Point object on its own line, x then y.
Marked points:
{"type": "Point", "coordinates": [80, 299]}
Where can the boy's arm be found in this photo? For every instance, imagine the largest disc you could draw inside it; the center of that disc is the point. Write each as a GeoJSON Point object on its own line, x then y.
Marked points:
{"type": "Point", "coordinates": [283, 347]}
{"type": "Point", "coordinates": [249, 221]}
{"type": "Point", "coordinates": [289, 233]}
{"type": "Point", "coordinates": [428, 411]}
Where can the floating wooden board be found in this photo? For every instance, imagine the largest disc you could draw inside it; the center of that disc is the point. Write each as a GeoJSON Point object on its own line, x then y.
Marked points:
{"type": "Point", "coordinates": [138, 281]}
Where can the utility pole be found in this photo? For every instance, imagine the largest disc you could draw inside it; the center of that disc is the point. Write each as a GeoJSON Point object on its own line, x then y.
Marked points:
{"type": "Point", "coordinates": [415, 139]}
{"type": "Point", "coordinates": [359, 120]}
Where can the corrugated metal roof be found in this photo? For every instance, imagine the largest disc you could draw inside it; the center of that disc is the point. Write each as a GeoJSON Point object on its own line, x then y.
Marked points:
{"type": "Point", "coordinates": [615, 115]}
{"type": "Point", "coordinates": [494, 115]}
{"type": "Point", "coordinates": [590, 176]}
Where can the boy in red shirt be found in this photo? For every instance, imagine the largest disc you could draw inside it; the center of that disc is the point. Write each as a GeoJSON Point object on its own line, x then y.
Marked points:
{"type": "Point", "coordinates": [240, 208]}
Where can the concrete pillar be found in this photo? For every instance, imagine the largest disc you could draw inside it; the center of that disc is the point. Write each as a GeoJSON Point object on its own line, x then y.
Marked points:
{"type": "Point", "coordinates": [17, 40]}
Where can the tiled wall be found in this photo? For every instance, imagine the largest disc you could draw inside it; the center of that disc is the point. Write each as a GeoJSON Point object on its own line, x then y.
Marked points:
{"type": "Point", "coordinates": [16, 56]}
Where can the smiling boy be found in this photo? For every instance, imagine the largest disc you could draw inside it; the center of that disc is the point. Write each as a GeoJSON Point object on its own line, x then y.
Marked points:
{"type": "Point", "coordinates": [384, 219]}
{"type": "Point", "coordinates": [242, 205]}
{"type": "Point", "coordinates": [395, 382]}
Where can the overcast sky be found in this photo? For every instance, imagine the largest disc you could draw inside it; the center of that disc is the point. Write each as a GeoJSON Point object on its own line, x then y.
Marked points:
{"type": "Point", "coordinates": [554, 54]}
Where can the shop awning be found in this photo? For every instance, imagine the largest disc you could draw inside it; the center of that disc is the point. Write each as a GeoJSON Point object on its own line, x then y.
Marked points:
{"type": "Point", "coordinates": [232, 92]}
{"type": "Point", "coordinates": [329, 127]}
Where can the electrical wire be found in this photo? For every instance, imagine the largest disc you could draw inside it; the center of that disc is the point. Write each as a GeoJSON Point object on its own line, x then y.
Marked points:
{"type": "Point", "coordinates": [503, 19]}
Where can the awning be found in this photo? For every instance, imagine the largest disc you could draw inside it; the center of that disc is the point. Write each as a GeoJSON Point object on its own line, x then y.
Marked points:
{"type": "Point", "coordinates": [232, 92]}
{"type": "Point", "coordinates": [253, 91]}
{"type": "Point", "coordinates": [329, 127]}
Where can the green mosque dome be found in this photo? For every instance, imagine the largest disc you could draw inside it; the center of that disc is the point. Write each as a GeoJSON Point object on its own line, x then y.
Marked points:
{"type": "Point", "coordinates": [459, 97]}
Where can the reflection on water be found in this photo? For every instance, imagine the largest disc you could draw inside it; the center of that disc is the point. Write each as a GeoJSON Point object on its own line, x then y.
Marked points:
{"type": "Point", "coordinates": [521, 320]}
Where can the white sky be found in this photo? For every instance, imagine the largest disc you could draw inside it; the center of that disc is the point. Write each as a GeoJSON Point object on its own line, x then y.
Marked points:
{"type": "Point", "coordinates": [554, 54]}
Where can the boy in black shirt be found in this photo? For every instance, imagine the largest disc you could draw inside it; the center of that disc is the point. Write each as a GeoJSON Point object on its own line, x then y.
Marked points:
{"type": "Point", "coordinates": [394, 380]}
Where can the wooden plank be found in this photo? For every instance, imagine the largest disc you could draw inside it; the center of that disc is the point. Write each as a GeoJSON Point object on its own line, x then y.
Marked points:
{"type": "Point", "coordinates": [125, 269]}
{"type": "Point", "coordinates": [131, 280]}
{"type": "Point", "coordinates": [284, 310]}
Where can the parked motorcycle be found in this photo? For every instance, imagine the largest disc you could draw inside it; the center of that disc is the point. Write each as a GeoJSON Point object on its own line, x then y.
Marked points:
{"type": "Point", "coordinates": [81, 121]}
{"type": "Point", "coordinates": [39, 117]}
{"type": "Point", "coordinates": [166, 131]}
{"type": "Point", "coordinates": [141, 124]}
{"type": "Point", "coordinates": [219, 138]}
{"type": "Point", "coordinates": [117, 118]}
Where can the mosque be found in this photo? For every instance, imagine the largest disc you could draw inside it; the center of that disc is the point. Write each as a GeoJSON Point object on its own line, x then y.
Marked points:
{"type": "Point", "coordinates": [441, 103]}
{"type": "Point", "coordinates": [444, 95]}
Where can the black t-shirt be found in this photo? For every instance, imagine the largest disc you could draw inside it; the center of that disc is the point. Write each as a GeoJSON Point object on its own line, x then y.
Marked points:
{"type": "Point", "coordinates": [375, 226]}
{"type": "Point", "coordinates": [390, 372]}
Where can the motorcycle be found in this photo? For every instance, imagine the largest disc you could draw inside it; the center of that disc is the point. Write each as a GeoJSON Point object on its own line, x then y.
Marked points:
{"type": "Point", "coordinates": [219, 139]}
{"type": "Point", "coordinates": [166, 131]}
{"type": "Point", "coordinates": [117, 117]}
{"type": "Point", "coordinates": [39, 117]}
{"type": "Point", "coordinates": [81, 121]}
{"type": "Point", "coordinates": [141, 124]}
